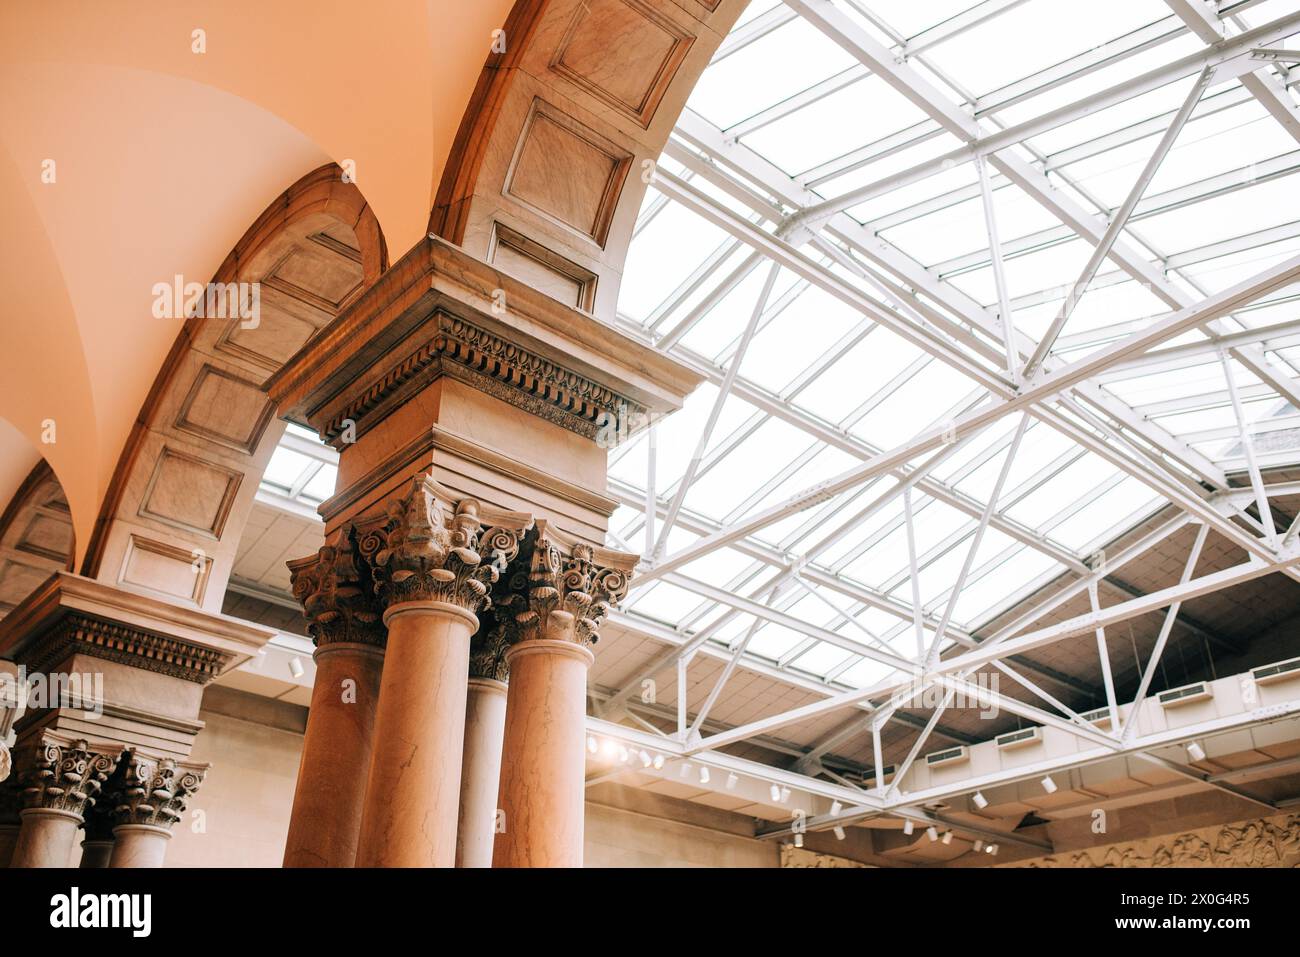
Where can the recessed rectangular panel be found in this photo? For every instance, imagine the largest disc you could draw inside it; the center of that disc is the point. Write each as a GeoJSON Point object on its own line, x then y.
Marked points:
{"type": "Point", "coordinates": [650, 47]}
{"type": "Point", "coordinates": [190, 492]}
{"type": "Point", "coordinates": [226, 408]}
{"type": "Point", "coordinates": [568, 172]}
{"type": "Point", "coordinates": [166, 569]}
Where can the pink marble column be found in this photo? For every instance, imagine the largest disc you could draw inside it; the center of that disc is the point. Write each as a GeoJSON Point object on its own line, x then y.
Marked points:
{"type": "Point", "coordinates": [558, 611]}
{"type": "Point", "coordinates": [544, 756]}
{"type": "Point", "coordinates": [432, 579]}
{"type": "Point", "coordinates": [413, 790]}
{"type": "Point", "coordinates": [61, 778]}
{"type": "Point", "coordinates": [485, 719]}
{"type": "Point", "coordinates": [148, 796]}
{"type": "Point", "coordinates": [343, 612]}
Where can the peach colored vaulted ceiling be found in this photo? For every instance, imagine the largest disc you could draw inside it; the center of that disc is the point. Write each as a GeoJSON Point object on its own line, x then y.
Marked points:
{"type": "Point", "coordinates": [164, 156]}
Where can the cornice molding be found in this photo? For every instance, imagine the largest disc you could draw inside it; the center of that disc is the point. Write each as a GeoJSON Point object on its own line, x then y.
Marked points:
{"type": "Point", "coordinates": [439, 311]}
{"type": "Point", "coordinates": [71, 614]}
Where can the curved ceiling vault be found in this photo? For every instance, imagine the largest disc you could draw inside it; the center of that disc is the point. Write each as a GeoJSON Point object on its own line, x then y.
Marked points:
{"type": "Point", "coordinates": [163, 156]}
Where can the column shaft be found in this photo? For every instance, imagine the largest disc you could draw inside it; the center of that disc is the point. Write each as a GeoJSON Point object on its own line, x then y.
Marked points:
{"type": "Point", "coordinates": [413, 791]}
{"type": "Point", "coordinates": [325, 824]}
{"type": "Point", "coordinates": [96, 854]}
{"type": "Point", "coordinates": [139, 845]}
{"type": "Point", "coordinates": [485, 721]}
{"type": "Point", "coordinates": [543, 756]}
{"type": "Point", "coordinates": [46, 838]}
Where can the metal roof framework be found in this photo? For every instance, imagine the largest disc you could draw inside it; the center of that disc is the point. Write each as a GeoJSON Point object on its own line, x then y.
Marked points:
{"type": "Point", "coordinates": [1151, 380]}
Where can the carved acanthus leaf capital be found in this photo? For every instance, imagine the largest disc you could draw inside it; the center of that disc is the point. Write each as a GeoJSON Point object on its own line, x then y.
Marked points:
{"type": "Point", "coordinates": [66, 774]}
{"type": "Point", "coordinates": [564, 588]}
{"type": "Point", "coordinates": [436, 548]}
{"type": "Point", "coordinates": [151, 790]}
{"type": "Point", "coordinates": [487, 651]}
{"type": "Point", "coordinates": [337, 593]}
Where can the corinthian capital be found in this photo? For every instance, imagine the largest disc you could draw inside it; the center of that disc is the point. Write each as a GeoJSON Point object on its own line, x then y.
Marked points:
{"type": "Point", "coordinates": [564, 588]}
{"type": "Point", "coordinates": [337, 593]}
{"type": "Point", "coordinates": [66, 773]}
{"type": "Point", "coordinates": [437, 548]}
{"type": "Point", "coordinates": [150, 790]}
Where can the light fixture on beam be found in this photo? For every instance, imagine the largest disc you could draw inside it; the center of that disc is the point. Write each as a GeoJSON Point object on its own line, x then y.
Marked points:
{"type": "Point", "coordinates": [908, 827]}
{"type": "Point", "coordinates": [732, 781]}
{"type": "Point", "coordinates": [592, 744]}
{"type": "Point", "coordinates": [785, 794]}
{"type": "Point", "coordinates": [993, 849]}
{"type": "Point", "coordinates": [839, 832]}
{"type": "Point", "coordinates": [659, 762]}
{"type": "Point", "coordinates": [686, 769]}
{"type": "Point", "coordinates": [932, 833]}
{"type": "Point", "coordinates": [775, 792]}
{"type": "Point", "coordinates": [1195, 751]}
{"type": "Point", "coordinates": [836, 807]}
{"type": "Point", "coordinates": [623, 754]}
{"type": "Point", "coordinates": [1049, 785]}
{"type": "Point", "coordinates": [645, 759]}
{"type": "Point", "coordinates": [704, 775]}
{"type": "Point", "coordinates": [979, 845]}
{"type": "Point", "coordinates": [979, 800]}
{"type": "Point", "coordinates": [947, 837]}
{"type": "Point", "coordinates": [798, 840]}
{"type": "Point", "coordinates": [295, 667]}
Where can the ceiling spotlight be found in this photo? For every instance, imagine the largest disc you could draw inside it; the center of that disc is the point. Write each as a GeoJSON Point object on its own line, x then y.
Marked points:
{"type": "Point", "coordinates": [732, 781]}
{"type": "Point", "coordinates": [932, 833]}
{"type": "Point", "coordinates": [659, 762]}
{"type": "Point", "coordinates": [993, 849]}
{"type": "Point", "coordinates": [947, 837]}
{"type": "Point", "coordinates": [988, 849]}
{"type": "Point", "coordinates": [980, 800]}
{"type": "Point", "coordinates": [798, 840]}
{"type": "Point", "coordinates": [623, 754]}
{"type": "Point", "coordinates": [839, 832]}
{"type": "Point", "coordinates": [686, 769]}
{"type": "Point", "coordinates": [592, 744]}
{"type": "Point", "coordinates": [979, 845]}
{"type": "Point", "coordinates": [295, 667]}
{"type": "Point", "coordinates": [704, 775]}
{"type": "Point", "coordinates": [645, 759]}
{"type": "Point", "coordinates": [1049, 785]}
{"type": "Point", "coordinates": [908, 827]}
{"type": "Point", "coordinates": [785, 795]}
{"type": "Point", "coordinates": [775, 792]}
{"type": "Point", "coordinates": [836, 807]}
{"type": "Point", "coordinates": [1195, 751]}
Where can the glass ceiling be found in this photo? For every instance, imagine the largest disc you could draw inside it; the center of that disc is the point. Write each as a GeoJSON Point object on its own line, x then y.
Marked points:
{"type": "Point", "coordinates": [830, 337]}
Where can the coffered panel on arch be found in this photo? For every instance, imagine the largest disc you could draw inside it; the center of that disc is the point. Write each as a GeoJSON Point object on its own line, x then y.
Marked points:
{"type": "Point", "coordinates": [568, 172]}
{"type": "Point", "coordinates": [650, 46]}
{"type": "Point", "coordinates": [308, 284]}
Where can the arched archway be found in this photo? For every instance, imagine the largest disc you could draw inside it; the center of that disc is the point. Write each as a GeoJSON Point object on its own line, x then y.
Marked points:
{"type": "Point", "coordinates": [180, 495]}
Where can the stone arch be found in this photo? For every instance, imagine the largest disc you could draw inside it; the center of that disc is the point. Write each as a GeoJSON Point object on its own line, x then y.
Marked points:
{"type": "Point", "coordinates": [545, 178]}
{"type": "Point", "coordinates": [36, 536]}
{"type": "Point", "coordinates": [171, 520]}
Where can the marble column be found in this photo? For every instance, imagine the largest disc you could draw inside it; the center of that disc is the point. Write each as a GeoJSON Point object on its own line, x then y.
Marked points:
{"type": "Point", "coordinates": [485, 719]}
{"type": "Point", "coordinates": [62, 780]}
{"type": "Point", "coordinates": [432, 580]}
{"type": "Point", "coordinates": [569, 590]}
{"type": "Point", "coordinates": [97, 840]}
{"type": "Point", "coordinates": [344, 619]}
{"type": "Point", "coordinates": [149, 795]}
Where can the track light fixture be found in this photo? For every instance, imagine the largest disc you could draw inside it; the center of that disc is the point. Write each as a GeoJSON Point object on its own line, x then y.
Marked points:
{"type": "Point", "coordinates": [1195, 751]}
{"type": "Point", "coordinates": [732, 781]}
{"type": "Point", "coordinates": [908, 827]}
{"type": "Point", "coordinates": [836, 807]}
{"type": "Point", "coordinates": [659, 762]}
{"type": "Point", "coordinates": [839, 832]}
{"type": "Point", "coordinates": [295, 667]}
{"type": "Point", "coordinates": [798, 840]}
{"type": "Point", "coordinates": [775, 791]}
{"type": "Point", "coordinates": [704, 775]}
{"type": "Point", "coordinates": [979, 800]}
{"type": "Point", "coordinates": [1049, 785]}
{"type": "Point", "coordinates": [785, 794]}
{"type": "Point", "coordinates": [932, 833]}
{"type": "Point", "coordinates": [592, 744]}
{"type": "Point", "coordinates": [947, 837]}
{"type": "Point", "coordinates": [645, 759]}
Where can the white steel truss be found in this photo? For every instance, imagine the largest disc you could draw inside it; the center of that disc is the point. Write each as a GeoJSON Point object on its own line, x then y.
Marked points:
{"type": "Point", "coordinates": [788, 557]}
